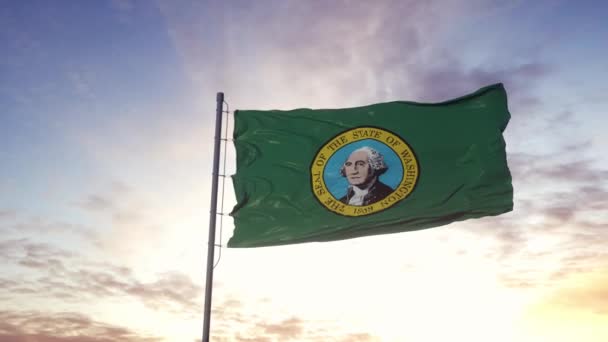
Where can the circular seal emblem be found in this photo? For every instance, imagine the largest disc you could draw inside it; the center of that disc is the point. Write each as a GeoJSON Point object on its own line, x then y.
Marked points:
{"type": "Point", "coordinates": [363, 171]}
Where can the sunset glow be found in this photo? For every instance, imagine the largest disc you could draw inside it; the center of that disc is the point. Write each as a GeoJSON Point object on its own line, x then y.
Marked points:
{"type": "Point", "coordinates": [106, 140]}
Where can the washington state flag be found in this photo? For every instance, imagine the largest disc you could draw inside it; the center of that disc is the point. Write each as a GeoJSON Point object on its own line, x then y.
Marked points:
{"type": "Point", "coordinates": [330, 174]}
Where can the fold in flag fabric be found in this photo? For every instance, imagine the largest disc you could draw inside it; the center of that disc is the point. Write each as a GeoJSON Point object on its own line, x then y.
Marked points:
{"type": "Point", "coordinates": [330, 174]}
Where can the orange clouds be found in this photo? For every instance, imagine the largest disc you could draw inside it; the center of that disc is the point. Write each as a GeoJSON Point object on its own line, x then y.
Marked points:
{"type": "Point", "coordinates": [233, 321]}
{"type": "Point", "coordinates": [576, 311]}
{"type": "Point", "coordinates": [585, 293]}
{"type": "Point", "coordinates": [33, 326]}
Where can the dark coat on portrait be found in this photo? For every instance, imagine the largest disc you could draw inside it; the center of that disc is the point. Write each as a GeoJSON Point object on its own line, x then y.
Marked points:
{"type": "Point", "coordinates": [377, 192]}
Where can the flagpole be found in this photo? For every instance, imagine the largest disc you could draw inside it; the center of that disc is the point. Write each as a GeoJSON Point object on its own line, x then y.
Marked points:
{"type": "Point", "coordinates": [213, 215]}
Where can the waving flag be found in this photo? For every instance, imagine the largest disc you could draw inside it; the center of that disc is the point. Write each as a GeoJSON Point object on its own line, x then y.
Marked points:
{"type": "Point", "coordinates": [329, 174]}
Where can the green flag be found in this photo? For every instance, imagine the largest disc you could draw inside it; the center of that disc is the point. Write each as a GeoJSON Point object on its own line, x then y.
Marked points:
{"type": "Point", "coordinates": [330, 174]}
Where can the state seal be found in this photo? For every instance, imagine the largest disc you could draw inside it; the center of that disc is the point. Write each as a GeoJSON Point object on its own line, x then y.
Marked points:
{"type": "Point", "coordinates": [363, 171]}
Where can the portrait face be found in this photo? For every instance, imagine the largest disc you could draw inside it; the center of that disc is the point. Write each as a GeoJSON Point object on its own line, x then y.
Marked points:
{"type": "Point", "coordinates": [357, 169]}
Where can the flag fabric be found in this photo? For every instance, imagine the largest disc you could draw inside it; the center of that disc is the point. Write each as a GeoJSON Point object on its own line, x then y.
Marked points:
{"type": "Point", "coordinates": [330, 174]}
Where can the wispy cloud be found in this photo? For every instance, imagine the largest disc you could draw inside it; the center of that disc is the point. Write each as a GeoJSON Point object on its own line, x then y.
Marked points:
{"type": "Point", "coordinates": [7, 214]}
{"type": "Point", "coordinates": [35, 326]}
{"type": "Point", "coordinates": [556, 230]}
{"type": "Point", "coordinates": [233, 322]}
{"type": "Point", "coordinates": [96, 203]}
{"type": "Point", "coordinates": [590, 294]}
{"type": "Point", "coordinates": [340, 50]}
{"type": "Point", "coordinates": [23, 226]}
{"type": "Point", "coordinates": [290, 328]}
{"type": "Point", "coordinates": [563, 167]}
{"type": "Point", "coordinates": [119, 208]}
{"type": "Point", "coordinates": [67, 276]}
{"type": "Point", "coordinates": [456, 80]}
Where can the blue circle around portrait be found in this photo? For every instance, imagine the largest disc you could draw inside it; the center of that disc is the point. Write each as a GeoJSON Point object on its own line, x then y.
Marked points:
{"type": "Point", "coordinates": [338, 185]}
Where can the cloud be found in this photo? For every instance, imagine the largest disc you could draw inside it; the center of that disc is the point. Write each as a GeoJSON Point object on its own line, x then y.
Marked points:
{"type": "Point", "coordinates": [565, 119]}
{"type": "Point", "coordinates": [55, 273]}
{"type": "Point", "coordinates": [36, 226]}
{"type": "Point", "coordinates": [117, 205]}
{"type": "Point", "coordinates": [17, 250]}
{"type": "Point", "coordinates": [7, 214]}
{"type": "Point", "coordinates": [568, 178]}
{"type": "Point", "coordinates": [359, 338]}
{"type": "Point", "coordinates": [339, 51]}
{"type": "Point", "coordinates": [232, 322]}
{"type": "Point", "coordinates": [96, 203]}
{"type": "Point", "coordinates": [456, 80]}
{"type": "Point", "coordinates": [572, 171]}
{"type": "Point", "coordinates": [587, 292]}
{"type": "Point", "coordinates": [547, 242]}
{"type": "Point", "coordinates": [35, 326]}
{"type": "Point", "coordinates": [556, 229]}
{"type": "Point", "coordinates": [288, 329]}
{"type": "Point", "coordinates": [120, 203]}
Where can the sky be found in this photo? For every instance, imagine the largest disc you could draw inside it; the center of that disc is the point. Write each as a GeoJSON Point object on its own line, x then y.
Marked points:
{"type": "Point", "coordinates": [106, 142]}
